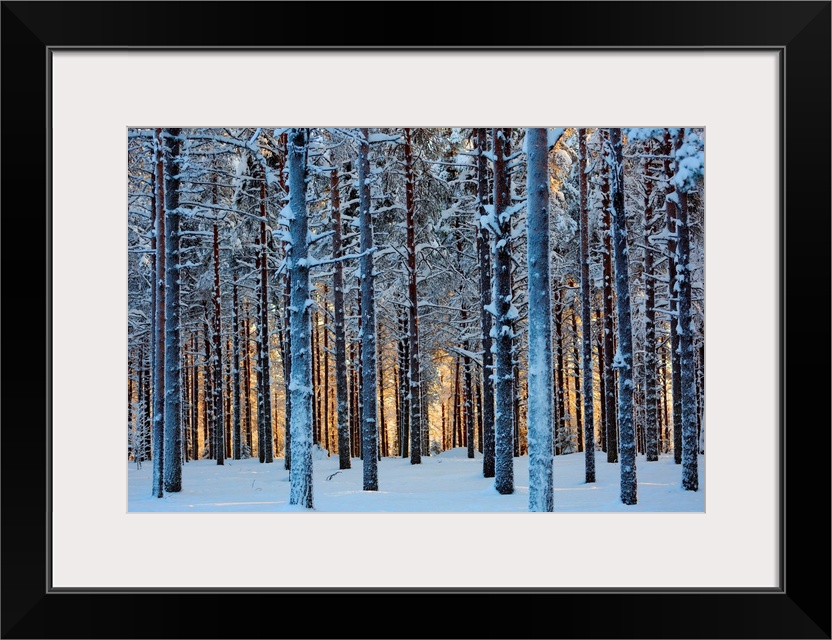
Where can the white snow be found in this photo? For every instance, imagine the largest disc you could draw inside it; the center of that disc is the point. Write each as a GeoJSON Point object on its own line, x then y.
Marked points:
{"type": "Point", "coordinates": [448, 482]}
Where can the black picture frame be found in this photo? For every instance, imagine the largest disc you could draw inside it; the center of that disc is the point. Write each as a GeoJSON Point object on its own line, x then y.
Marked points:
{"type": "Point", "coordinates": [799, 608]}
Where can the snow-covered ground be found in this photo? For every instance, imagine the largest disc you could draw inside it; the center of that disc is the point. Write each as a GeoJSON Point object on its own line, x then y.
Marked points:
{"type": "Point", "coordinates": [448, 482]}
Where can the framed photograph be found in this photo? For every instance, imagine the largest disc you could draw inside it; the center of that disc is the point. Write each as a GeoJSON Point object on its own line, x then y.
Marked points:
{"type": "Point", "coordinates": [753, 77]}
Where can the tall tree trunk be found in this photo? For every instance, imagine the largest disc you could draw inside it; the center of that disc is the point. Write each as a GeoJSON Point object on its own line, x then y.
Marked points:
{"type": "Point", "coordinates": [359, 379]}
{"type": "Point", "coordinates": [470, 439]}
{"type": "Point", "coordinates": [478, 404]}
{"type": "Point", "coordinates": [515, 369]}
{"type": "Point", "coordinates": [208, 394]}
{"type": "Point", "coordinates": [141, 403]}
{"type": "Point", "coordinates": [562, 439]}
{"type": "Point", "coordinates": [147, 441]}
{"type": "Point", "coordinates": [444, 429]}
{"type": "Point", "coordinates": [219, 418]}
{"type": "Point", "coordinates": [342, 412]}
{"type": "Point", "coordinates": [610, 425]}
{"type": "Point", "coordinates": [159, 327]}
{"type": "Point", "coordinates": [173, 348]}
{"type": "Point", "coordinates": [457, 429]}
{"type": "Point", "coordinates": [690, 444]}
{"type": "Point", "coordinates": [484, 253]}
{"type": "Point", "coordinates": [247, 381]}
{"type": "Point", "coordinates": [287, 371]}
{"type": "Point", "coordinates": [328, 444]}
{"type": "Point", "coordinates": [316, 380]}
{"type": "Point", "coordinates": [672, 293]}
{"type": "Point", "coordinates": [383, 448]}
{"type": "Point", "coordinates": [599, 327]}
{"type": "Point", "coordinates": [665, 447]}
{"type": "Point", "coordinates": [261, 435]}
{"type": "Point", "coordinates": [541, 492]}
{"type": "Point", "coordinates": [586, 321]}
{"type": "Point", "coordinates": [355, 409]}
{"type": "Point", "coordinates": [235, 393]}
{"type": "Point", "coordinates": [265, 406]}
{"type": "Point", "coordinates": [194, 400]}
{"type": "Point", "coordinates": [505, 311]}
{"type": "Point", "coordinates": [368, 322]}
{"type": "Point", "coordinates": [229, 392]}
{"type": "Point", "coordinates": [700, 396]}
{"type": "Point", "coordinates": [651, 417]}
{"type": "Point", "coordinates": [414, 373]}
{"type": "Point", "coordinates": [300, 387]}
{"type": "Point", "coordinates": [404, 392]}
{"type": "Point", "coordinates": [132, 429]}
{"type": "Point", "coordinates": [624, 356]}
{"type": "Point", "coordinates": [576, 377]}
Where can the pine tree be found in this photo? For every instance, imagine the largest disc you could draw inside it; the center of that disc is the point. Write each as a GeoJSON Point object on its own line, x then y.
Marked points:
{"type": "Point", "coordinates": [235, 394]}
{"type": "Point", "coordinates": [650, 358]}
{"type": "Point", "coordinates": [540, 416]}
{"type": "Point", "coordinates": [300, 387]}
{"type": "Point", "coordinates": [505, 312]}
{"type": "Point", "coordinates": [673, 294]}
{"type": "Point", "coordinates": [414, 363]}
{"type": "Point", "coordinates": [688, 169]}
{"type": "Point", "coordinates": [624, 355]}
{"type": "Point", "coordinates": [219, 418]}
{"type": "Point", "coordinates": [586, 322]}
{"type": "Point", "coordinates": [158, 437]}
{"type": "Point", "coordinates": [484, 254]}
{"type": "Point", "coordinates": [342, 411]}
{"type": "Point", "coordinates": [368, 319]}
{"type": "Point", "coordinates": [608, 373]}
{"type": "Point", "coordinates": [173, 348]}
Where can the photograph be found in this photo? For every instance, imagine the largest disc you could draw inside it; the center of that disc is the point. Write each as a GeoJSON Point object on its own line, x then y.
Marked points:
{"type": "Point", "coordinates": [392, 288]}
{"type": "Point", "coordinates": [415, 319]}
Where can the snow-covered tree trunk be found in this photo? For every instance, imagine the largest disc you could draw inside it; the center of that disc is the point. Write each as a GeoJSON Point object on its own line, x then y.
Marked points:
{"type": "Point", "coordinates": [404, 403]}
{"type": "Point", "coordinates": [608, 373]}
{"type": "Point", "coordinates": [173, 348]}
{"type": "Point", "coordinates": [624, 355]}
{"type": "Point", "coordinates": [316, 379]}
{"type": "Point", "coordinates": [651, 417]}
{"type": "Point", "coordinates": [194, 436]}
{"type": "Point", "coordinates": [484, 254]}
{"type": "Point", "coordinates": [147, 450]}
{"type": "Point", "coordinates": [247, 380]}
{"type": "Point", "coordinates": [504, 314]}
{"type": "Point", "coordinates": [576, 374]}
{"type": "Point", "coordinates": [359, 378]}
{"type": "Point", "coordinates": [287, 367]}
{"type": "Point", "coordinates": [342, 411]}
{"type": "Point", "coordinates": [675, 362]}
{"type": "Point", "coordinates": [158, 439]}
{"type": "Point", "coordinates": [266, 445]}
{"type": "Point", "coordinates": [559, 412]}
{"type": "Point", "coordinates": [325, 352]}
{"type": "Point", "coordinates": [586, 321]}
{"type": "Point", "coordinates": [690, 443]}
{"type": "Point", "coordinates": [300, 387]}
{"type": "Point", "coordinates": [470, 439]}
{"type": "Point", "coordinates": [413, 369]}
{"type": "Point", "coordinates": [540, 409]}
{"type": "Point", "coordinates": [207, 376]}
{"type": "Point", "coordinates": [219, 417]}
{"type": "Point", "coordinates": [235, 393]}
{"type": "Point", "coordinates": [369, 411]}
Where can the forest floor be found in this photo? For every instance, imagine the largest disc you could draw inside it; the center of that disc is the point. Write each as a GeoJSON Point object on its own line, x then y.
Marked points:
{"type": "Point", "coordinates": [448, 482]}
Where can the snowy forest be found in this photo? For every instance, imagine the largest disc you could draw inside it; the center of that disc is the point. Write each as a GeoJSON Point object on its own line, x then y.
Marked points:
{"type": "Point", "coordinates": [415, 319]}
